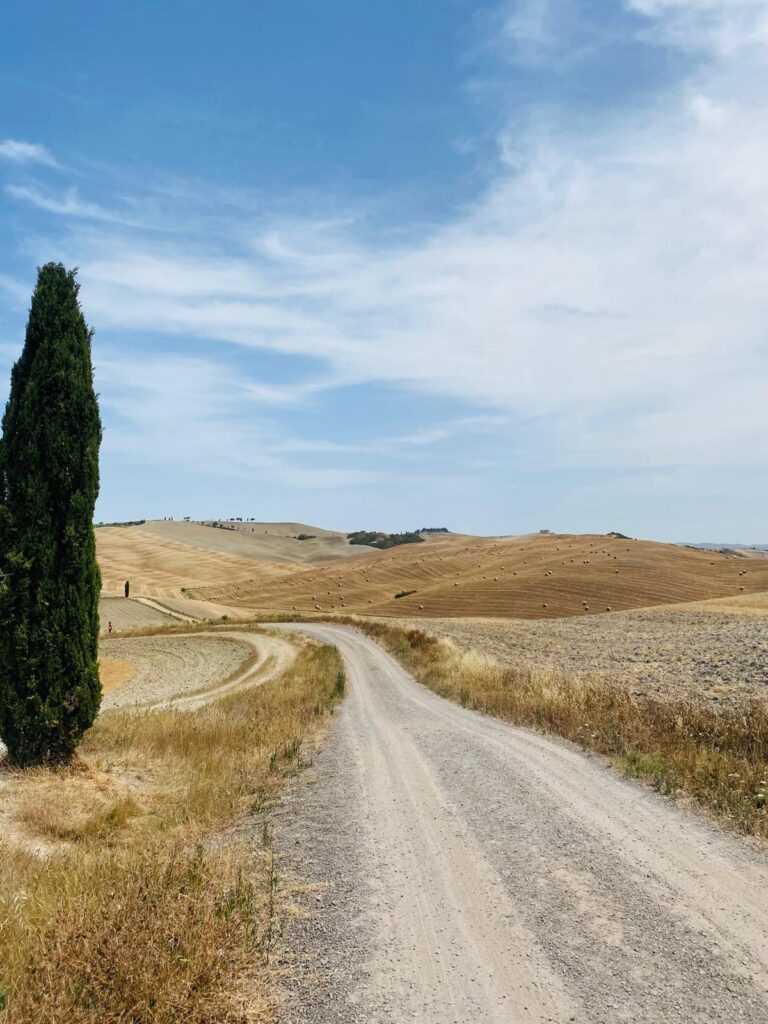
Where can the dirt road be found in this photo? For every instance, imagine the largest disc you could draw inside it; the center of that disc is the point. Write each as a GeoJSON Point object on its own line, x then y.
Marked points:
{"type": "Point", "coordinates": [473, 872]}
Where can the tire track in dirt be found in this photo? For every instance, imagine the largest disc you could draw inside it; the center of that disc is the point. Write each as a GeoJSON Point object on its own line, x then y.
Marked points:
{"type": "Point", "coordinates": [187, 671]}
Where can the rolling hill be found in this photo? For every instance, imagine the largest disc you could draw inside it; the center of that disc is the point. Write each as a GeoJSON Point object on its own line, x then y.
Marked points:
{"type": "Point", "coordinates": [262, 566]}
{"type": "Point", "coordinates": [539, 576]}
{"type": "Point", "coordinates": [161, 557]}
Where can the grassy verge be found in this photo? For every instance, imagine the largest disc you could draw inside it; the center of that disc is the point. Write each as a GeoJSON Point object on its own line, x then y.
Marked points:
{"type": "Point", "coordinates": [142, 910]}
{"type": "Point", "coordinates": [681, 747]}
{"type": "Point", "coordinates": [183, 628]}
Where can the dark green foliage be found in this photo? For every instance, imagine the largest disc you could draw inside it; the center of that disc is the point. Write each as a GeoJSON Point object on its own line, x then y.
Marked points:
{"type": "Point", "coordinates": [404, 593]}
{"type": "Point", "coordinates": [49, 481]}
{"type": "Point", "coordinates": [127, 522]}
{"type": "Point", "coordinates": [383, 540]}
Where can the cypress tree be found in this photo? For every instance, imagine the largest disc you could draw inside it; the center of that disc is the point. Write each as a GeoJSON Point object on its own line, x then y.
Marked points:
{"type": "Point", "coordinates": [49, 579]}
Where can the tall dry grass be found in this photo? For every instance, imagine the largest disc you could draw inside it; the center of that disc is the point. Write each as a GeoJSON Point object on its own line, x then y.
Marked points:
{"type": "Point", "coordinates": [681, 747]}
{"type": "Point", "coordinates": [141, 912]}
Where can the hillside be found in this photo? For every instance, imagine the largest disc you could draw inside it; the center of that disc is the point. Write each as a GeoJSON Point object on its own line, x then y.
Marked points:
{"type": "Point", "coordinates": [529, 577]}
{"type": "Point", "coordinates": [263, 566]}
{"type": "Point", "coordinates": [271, 542]}
{"type": "Point", "coordinates": [161, 557]}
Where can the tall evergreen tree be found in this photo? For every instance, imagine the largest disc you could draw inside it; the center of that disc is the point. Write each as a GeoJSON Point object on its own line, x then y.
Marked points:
{"type": "Point", "coordinates": [49, 579]}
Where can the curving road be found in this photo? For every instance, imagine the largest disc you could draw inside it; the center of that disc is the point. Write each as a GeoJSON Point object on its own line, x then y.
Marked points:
{"type": "Point", "coordinates": [470, 871]}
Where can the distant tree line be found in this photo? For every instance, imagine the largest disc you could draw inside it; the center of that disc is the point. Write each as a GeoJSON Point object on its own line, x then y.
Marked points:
{"type": "Point", "coordinates": [372, 539]}
{"type": "Point", "coordinates": [128, 522]}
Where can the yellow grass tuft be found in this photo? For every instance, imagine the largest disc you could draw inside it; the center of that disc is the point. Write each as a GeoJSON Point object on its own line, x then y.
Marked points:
{"type": "Point", "coordinates": [114, 673]}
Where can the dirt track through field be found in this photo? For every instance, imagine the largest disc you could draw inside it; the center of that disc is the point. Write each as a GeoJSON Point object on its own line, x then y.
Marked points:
{"type": "Point", "coordinates": [190, 670]}
{"type": "Point", "coordinates": [471, 871]}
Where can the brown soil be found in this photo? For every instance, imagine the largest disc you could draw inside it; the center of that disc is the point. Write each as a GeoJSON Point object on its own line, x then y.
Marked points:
{"type": "Point", "coordinates": [658, 652]}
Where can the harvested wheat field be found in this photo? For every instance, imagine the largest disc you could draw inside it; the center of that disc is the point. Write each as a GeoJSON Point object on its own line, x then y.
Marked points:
{"type": "Point", "coordinates": [129, 614]}
{"type": "Point", "coordinates": [167, 666]}
{"type": "Point", "coordinates": [160, 566]}
{"type": "Point", "coordinates": [268, 542]}
{"type": "Point", "coordinates": [162, 559]}
{"type": "Point", "coordinates": [657, 652]}
{"type": "Point", "coordinates": [532, 577]}
{"type": "Point", "coordinates": [189, 669]}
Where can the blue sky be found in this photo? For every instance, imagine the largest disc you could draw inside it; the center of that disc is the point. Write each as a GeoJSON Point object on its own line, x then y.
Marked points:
{"type": "Point", "coordinates": [495, 266]}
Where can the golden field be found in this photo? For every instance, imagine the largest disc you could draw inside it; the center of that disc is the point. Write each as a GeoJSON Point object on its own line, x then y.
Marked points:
{"type": "Point", "coordinates": [531, 577]}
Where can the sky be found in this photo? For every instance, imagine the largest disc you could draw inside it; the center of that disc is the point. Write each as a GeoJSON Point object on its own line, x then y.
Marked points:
{"type": "Point", "coordinates": [494, 266]}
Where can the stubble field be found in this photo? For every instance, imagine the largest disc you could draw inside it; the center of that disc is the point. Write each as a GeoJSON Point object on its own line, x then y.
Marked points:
{"type": "Point", "coordinates": [666, 653]}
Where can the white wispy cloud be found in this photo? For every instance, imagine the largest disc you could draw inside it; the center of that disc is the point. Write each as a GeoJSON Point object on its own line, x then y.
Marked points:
{"type": "Point", "coordinates": [18, 152]}
{"type": "Point", "coordinates": [194, 414]}
{"type": "Point", "coordinates": [68, 204]}
{"type": "Point", "coordinates": [725, 27]}
{"type": "Point", "coordinates": [607, 289]}
{"type": "Point", "coordinates": [18, 291]}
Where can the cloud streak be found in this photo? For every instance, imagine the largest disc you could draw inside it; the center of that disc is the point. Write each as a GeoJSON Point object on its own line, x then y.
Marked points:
{"type": "Point", "coordinates": [67, 204]}
{"type": "Point", "coordinates": [16, 151]}
{"type": "Point", "coordinates": [607, 289]}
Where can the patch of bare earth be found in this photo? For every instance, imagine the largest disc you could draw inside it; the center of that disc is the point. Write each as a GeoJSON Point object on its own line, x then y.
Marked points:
{"type": "Point", "coordinates": [166, 666]}
{"type": "Point", "coordinates": [114, 673]}
{"type": "Point", "coordinates": [129, 614]}
{"type": "Point", "coordinates": [660, 653]}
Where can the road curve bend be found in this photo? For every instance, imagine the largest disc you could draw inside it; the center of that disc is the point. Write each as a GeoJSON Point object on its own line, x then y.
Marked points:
{"type": "Point", "coordinates": [470, 871]}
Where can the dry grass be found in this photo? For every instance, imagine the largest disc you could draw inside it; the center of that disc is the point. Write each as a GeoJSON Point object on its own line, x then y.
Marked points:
{"type": "Point", "coordinates": [660, 653]}
{"type": "Point", "coordinates": [681, 747]}
{"type": "Point", "coordinates": [141, 912]}
{"type": "Point", "coordinates": [65, 811]}
{"type": "Point", "coordinates": [114, 672]}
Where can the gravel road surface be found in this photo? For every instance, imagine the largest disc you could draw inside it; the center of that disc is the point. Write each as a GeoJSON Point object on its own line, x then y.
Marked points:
{"type": "Point", "coordinates": [467, 871]}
